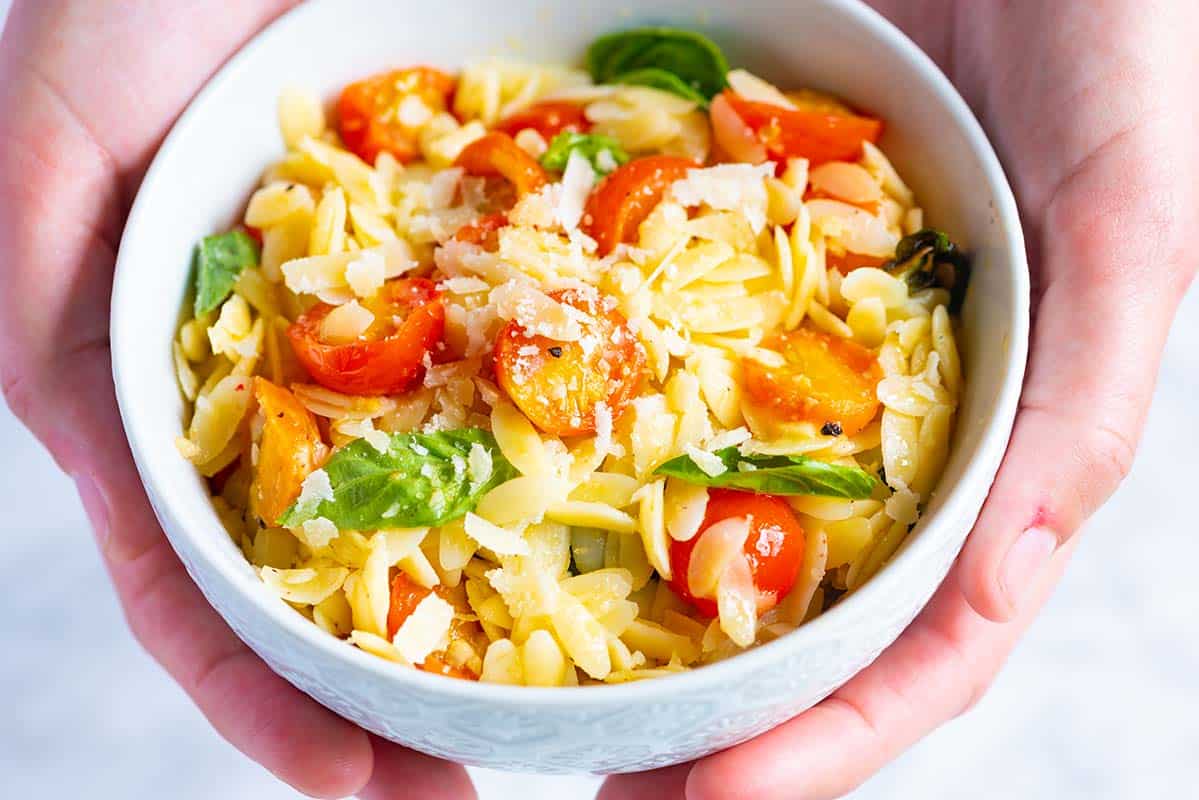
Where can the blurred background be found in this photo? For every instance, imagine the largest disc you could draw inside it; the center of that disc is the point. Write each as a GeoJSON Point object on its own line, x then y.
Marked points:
{"type": "Point", "coordinates": [1098, 701]}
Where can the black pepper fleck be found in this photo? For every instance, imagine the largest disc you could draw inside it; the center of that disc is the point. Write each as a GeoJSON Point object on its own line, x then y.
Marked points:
{"type": "Point", "coordinates": [831, 429]}
{"type": "Point", "coordinates": [556, 352]}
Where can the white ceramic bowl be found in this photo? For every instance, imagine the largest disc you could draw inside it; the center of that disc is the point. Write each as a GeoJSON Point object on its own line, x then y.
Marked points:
{"type": "Point", "coordinates": [215, 155]}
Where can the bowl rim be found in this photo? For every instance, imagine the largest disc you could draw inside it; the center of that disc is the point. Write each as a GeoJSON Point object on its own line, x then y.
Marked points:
{"type": "Point", "coordinates": [937, 529]}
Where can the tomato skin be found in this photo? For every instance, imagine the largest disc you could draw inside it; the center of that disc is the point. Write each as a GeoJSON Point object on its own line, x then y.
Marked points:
{"type": "Point", "coordinates": [826, 379]}
{"type": "Point", "coordinates": [406, 595]}
{"type": "Point", "coordinates": [775, 546]}
{"type": "Point", "coordinates": [624, 199]}
{"type": "Point", "coordinates": [848, 262]}
{"type": "Point", "coordinates": [537, 381]}
{"type": "Point", "coordinates": [549, 119]}
{"type": "Point", "coordinates": [483, 232]}
{"type": "Point", "coordinates": [497, 154]}
{"type": "Point", "coordinates": [366, 111]}
{"type": "Point", "coordinates": [291, 447]}
{"type": "Point", "coordinates": [388, 365]}
{"type": "Point", "coordinates": [819, 136]}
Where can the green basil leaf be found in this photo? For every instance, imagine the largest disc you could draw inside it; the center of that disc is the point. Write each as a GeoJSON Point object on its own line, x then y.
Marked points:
{"type": "Point", "coordinates": [422, 479]}
{"type": "Point", "coordinates": [784, 475]}
{"type": "Point", "coordinates": [929, 258]}
{"type": "Point", "coordinates": [693, 58]}
{"type": "Point", "coordinates": [588, 145]}
{"type": "Point", "coordinates": [656, 78]}
{"type": "Point", "coordinates": [219, 261]}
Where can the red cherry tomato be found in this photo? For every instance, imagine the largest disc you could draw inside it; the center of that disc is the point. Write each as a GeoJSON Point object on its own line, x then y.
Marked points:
{"type": "Point", "coordinates": [496, 154]}
{"type": "Point", "coordinates": [389, 359]}
{"type": "Point", "coordinates": [406, 595]}
{"type": "Point", "coordinates": [817, 135]}
{"type": "Point", "coordinates": [826, 379]}
{"type": "Point", "coordinates": [775, 546]}
{"type": "Point", "coordinates": [369, 114]}
{"type": "Point", "coordinates": [549, 119]}
{"type": "Point", "coordinates": [559, 384]}
{"type": "Point", "coordinates": [625, 198]}
{"type": "Point", "coordinates": [483, 232]}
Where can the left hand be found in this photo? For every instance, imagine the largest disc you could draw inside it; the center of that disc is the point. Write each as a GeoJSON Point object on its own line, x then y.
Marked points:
{"type": "Point", "coordinates": [1091, 106]}
{"type": "Point", "coordinates": [87, 90]}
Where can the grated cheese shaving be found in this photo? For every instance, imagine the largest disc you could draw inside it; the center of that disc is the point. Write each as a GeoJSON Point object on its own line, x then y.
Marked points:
{"type": "Point", "coordinates": [318, 532]}
{"type": "Point", "coordinates": [709, 463]}
{"type": "Point", "coordinates": [728, 187]}
{"type": "Point", "coordinates": [426, 630]}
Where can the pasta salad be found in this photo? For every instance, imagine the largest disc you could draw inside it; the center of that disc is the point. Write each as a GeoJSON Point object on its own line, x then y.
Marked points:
{"type": "Point", "coordinates": [549, 376]}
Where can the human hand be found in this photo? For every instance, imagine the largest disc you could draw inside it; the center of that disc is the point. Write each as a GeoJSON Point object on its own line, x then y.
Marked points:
{"type": "Point", "coordinates": [1091, 106]}
{"type": "Point", "coordinates": [78, 125]}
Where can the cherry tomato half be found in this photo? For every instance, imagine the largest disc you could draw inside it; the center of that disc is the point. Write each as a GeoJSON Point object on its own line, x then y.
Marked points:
{"type": "Point", "coordinates": [826, 379]}
{"type": "Point", "coordinates": [496, 154]}
{"type": "Point", "coordinates": [389, 359]}
{"type": "Point", "coordinates": [817, 135]}
{"type": "Point", "coordinates": [483, 232]}
{"type": "Point", "coordinates": [775, 546]}
{"type": "Point", "coordinates": [383, 113]}
{"type": "Point", "coordinates": [559, 384]}
{"type": "Point", "coordinates": [289, 450]}
{"type": "Point", "coordinates": [406, 595]}
{"type": "Point", "coordinates": [624, 199]}
{"type": "Point", "coordinates": [549, 119]}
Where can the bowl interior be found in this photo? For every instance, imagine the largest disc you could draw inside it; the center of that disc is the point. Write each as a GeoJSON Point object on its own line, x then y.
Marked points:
{"type": "Point", "coordinates": [217, 152]}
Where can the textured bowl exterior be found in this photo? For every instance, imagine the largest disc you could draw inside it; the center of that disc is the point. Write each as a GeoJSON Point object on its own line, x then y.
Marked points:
{"type": "Point", "coordinates": [675, 726]}
{"type": "Point", "coordinates": [206, 167]}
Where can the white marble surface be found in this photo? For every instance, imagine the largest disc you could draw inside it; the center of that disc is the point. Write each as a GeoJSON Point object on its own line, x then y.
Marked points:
{"type": "Point", "coordinates": [1098, 702]}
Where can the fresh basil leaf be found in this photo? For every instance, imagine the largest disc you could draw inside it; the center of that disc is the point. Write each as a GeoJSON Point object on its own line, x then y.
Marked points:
{"type": "Point", "coordinates": [693, 58]}
{"type": "Point", "coordinates": [422, 479]}
{"type": "Point", "coordinates": [588, 145]}
{"type": "Point", "coordinates": [928, 258]}
{"type": "Point", "coordinates": [656, 78]}
{"type": "Point", "coordinates": [219, 261]}
{"type": "Point", "coordinates": [785, 475]}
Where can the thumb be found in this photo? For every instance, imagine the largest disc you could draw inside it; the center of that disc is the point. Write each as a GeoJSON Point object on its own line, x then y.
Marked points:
{"type": "Point", "coordinates": [1100, 326]}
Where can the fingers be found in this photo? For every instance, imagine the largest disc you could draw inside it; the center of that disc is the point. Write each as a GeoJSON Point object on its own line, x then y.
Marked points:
{"type": "Point", "coordinates": [933, 672]}
{"type": "Point", "coordinates": [1116, 268]}
{"type": "Point", "coordinates": [668, 783]}
{"type": "Point", "coordinates": [261, 714]}
{"type": "Point", "coordinates": [402, 773]}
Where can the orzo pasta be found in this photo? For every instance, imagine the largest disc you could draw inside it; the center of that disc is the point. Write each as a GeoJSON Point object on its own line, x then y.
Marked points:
{"type": "Point", "coordinates": [553, 376]}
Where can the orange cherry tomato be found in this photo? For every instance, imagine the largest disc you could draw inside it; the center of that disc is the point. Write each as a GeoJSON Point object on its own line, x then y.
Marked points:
{"type": "Point", "coordinates": [389, 359]}
{"type": "Point", "coordinates": [549, 119]}
{"type": "Point", "coordinates": [624, 199]}
{"type": "Point", "coordinates": [559, 384]}
{"type": "Point", "coordinates": [774, 547]}
{"type": "Point", "coordinates": [406, 595]}
{"type": "Point", "coordinates": [483, 232]}
{"type": "Point", "coordinates": [846, 263]}
{"type": "Point", "coordinates": [817, 135]}
{"type": "Point", "coordinates": [496, 154]}
{"type": "Point", "coordinates": [371, 112]}
{"type": "Point", "coordinates": [289, 450]}
{"type": "Point", "coordinates": [826, 379]}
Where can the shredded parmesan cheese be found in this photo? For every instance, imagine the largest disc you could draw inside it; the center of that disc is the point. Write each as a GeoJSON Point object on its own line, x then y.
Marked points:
{"type": "Point", "coordinates": [728, 187]}
{"type": "Point", "coordinates": [426, 630]}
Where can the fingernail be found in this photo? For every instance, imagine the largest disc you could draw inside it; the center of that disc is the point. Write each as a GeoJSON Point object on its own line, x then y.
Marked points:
{"type": "Point", "coordinates": [1024, 562]}
{"type": "Point", "coordinates": [94, 506]}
